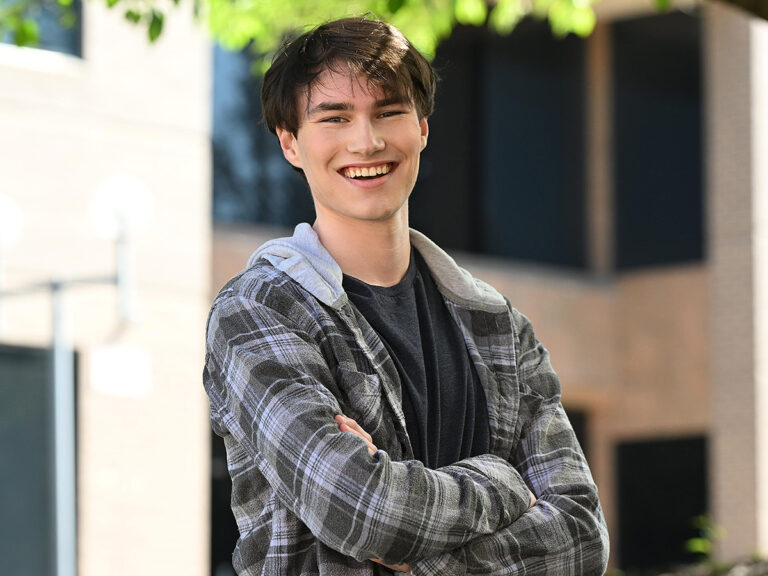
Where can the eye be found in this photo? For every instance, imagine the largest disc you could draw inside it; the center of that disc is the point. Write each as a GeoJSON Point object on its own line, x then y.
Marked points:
{"type": "Point", "coordinates": [390, 113]}
{"type": "Point", "coordinates": [333, 119]}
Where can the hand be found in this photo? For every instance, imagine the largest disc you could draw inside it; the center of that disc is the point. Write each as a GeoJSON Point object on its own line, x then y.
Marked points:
{"type": "Point", "coordinates": [395, 567]}
{"type": "Point", "coordinates": [533, 499]}
{"type": "Point", "coordinates": [349, 425]}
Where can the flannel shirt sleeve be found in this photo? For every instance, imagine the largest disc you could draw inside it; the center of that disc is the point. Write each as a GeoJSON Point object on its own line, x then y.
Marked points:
{"type": "Point", "coordinates": [565, 532]}
{"type": "Point", "coordinates": [269, 387]}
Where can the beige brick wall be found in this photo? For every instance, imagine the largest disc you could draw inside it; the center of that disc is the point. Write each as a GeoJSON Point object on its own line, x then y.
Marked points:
{"type": "Point", "coordinates": [760, 175]}
{"type": "Point", "coordinates": [737, 180]}
{"type": "Point", "coordinates": [66, 125]}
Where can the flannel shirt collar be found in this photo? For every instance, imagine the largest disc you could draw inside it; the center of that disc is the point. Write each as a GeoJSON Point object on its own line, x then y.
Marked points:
{"type": "Point", "coordinates": [305, 259]}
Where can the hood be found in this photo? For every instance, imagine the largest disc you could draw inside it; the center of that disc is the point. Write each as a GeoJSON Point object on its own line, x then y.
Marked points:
{"type": "Point", "coordinates": [305, 259]}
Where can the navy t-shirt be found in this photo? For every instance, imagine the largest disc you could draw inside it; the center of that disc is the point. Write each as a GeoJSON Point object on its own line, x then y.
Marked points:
{"type": "Point", "coordinates": [444, 404]}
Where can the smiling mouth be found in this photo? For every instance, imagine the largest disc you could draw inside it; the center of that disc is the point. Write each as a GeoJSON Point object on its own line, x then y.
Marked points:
{"type": "Point", "coordinates": [367, 172]}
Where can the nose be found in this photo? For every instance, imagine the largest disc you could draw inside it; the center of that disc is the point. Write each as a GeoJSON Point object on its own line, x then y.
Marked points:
{"type": "Point", "coordinates": [365, 139]}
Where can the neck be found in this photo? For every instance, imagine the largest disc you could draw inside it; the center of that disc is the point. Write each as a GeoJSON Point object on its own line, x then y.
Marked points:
{"type": "Point", "coordinates": [376, 252]}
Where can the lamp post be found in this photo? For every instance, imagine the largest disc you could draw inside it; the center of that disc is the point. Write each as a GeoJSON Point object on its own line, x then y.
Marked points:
{"type": "Point", "coordinates": [120, 205]}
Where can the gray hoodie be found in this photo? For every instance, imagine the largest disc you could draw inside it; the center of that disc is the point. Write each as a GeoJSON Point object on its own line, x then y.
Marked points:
{"type": "Point", "coordinates": [306, 260]}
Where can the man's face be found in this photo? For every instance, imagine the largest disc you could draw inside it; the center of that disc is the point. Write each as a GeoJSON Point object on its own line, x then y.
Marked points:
{"type": "Point", "coordinates": [358, 148]}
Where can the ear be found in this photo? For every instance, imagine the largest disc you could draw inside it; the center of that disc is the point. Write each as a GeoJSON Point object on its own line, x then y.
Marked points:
{"type": "Point", "coordinates": [424, 125]}
{"type": "Point", "coordinates": [289, 146]}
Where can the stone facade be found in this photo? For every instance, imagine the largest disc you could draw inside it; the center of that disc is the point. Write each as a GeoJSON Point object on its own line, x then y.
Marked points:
{"type": "Point", "coordinates": [737, 125]}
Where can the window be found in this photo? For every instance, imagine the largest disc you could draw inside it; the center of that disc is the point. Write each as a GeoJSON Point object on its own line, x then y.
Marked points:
{"type": "Point", "coordinates": [224, 532]}
{"type": "Point", "coordinates": [662, 487]}
{"type": "Point", "coordinates": [27, 544]}
{"type": "Point", "coordinates": [503, 173]}
{"type": "Point", "coordinates": [60, 29]}
{"type": "Point", "coordinates": [658, 141]}
{"type": "Point", "coordinates": [578, 419]}
{"type": "Point", "coordinates": [252, 182]}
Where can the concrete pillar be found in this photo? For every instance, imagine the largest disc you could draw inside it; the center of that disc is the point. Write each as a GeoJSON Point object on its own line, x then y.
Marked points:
{"type": "Point", "coordinates": [736, 78]}
{"type": "Point", "coordinates": [599, 138]}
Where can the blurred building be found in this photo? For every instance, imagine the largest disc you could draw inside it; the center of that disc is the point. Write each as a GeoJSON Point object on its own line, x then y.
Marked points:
{"type": "Point", "coordinates": [99, 115]}
{"type": "Point", "coordinates": [611, 187]}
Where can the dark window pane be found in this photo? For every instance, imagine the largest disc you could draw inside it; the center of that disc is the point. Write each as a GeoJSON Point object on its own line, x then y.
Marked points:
{"type": "Point", "coordinates": [578, 419]}
{"type": "Point", "coordinates": [505, 163]}
{"type": "Point", "coordinates": [252, 182]}
{"type": "Point", "coordinates": [27, 472]}
{"type": "Point", "coordinates": [658, 147]}
{"type": "Point", "coordinates": [662, 487]}
{"type": "Point", "coordinates": [224, 532]}
{"type": "Point", "coordinates": [533, 148]}
{"type": "Point", "coordinates": [445, 203]}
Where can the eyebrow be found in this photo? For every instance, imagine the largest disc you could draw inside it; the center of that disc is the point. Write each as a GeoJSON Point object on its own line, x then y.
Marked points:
{"type": "Point", "coordinates": [345, 106]}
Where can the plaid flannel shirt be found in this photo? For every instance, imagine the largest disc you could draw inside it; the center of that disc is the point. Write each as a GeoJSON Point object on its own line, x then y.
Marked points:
{"type": "Point", "coordinates": [283, 358]}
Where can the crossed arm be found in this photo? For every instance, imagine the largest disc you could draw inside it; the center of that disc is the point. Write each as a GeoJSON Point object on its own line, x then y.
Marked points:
{"type": "Point", "coordinates": [349, 425]}
{"type": "Point", "coordinates": [269, 388]}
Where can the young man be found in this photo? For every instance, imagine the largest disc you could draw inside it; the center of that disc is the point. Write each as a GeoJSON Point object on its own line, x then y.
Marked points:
{"type": "Point", "coordinates": [381, 409]}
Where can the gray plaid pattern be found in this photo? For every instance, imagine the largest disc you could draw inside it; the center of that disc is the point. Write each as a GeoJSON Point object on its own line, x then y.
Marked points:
{"type": "Point", "coordinates": [310, 500]}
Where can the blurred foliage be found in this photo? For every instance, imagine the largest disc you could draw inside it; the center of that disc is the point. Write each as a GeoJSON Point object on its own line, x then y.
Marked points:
{"type": "Point", "coordinates": [709, 534]}
{"type": "Point", "coordinates": [263, 24]}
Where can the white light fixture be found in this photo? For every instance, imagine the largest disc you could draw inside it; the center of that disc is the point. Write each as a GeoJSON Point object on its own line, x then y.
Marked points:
{"type": "Point", "coordinates": [121, 205]}
{"type": "Point", "coordinates": [121, 371]}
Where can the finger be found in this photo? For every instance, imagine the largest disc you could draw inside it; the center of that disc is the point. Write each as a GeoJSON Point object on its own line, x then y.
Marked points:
{"type": "Point", "coordinates": [394, 567]}
{"type": "Point", "coordinates": [341, 419]}
{"type": "Point", "coordinates": [371, 446]}
{"type": "Point", "coordinates": [533, 499]}
{"type": "Point", "coordinates": [359, 429]}
{"type": "Point", "coordinates": [349, 425]}
{"type": "Point", "coordinates": [358, 433]}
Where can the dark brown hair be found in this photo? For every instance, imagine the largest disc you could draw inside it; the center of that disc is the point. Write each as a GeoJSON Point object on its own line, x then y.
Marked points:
{"type": "Point", "coordinates": [354, 46]}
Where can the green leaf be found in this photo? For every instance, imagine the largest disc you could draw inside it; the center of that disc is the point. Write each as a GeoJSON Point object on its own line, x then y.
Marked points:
{"type": "Point", "coordinates": [541, 7]}
{"type": "Point", "coordinates": [155, 25]}
{"type": "Point", "coordinates": [583, 21]}
{"type": "Point", "coordinates": [27, 33]}
{"type": "Point", "coordinates": [471, 12]}
{"type": "Point", "coordinates": [575, 16]}
{"type": "Point", "coordinates": [698, 546]}
{"type": "Point", "coordinates": [506, 15]}
{"type": "Point", "coordinates": [133, 16]}
{"type": "Point", "coordinates": [394, 5]}
{"type": "Point", "coordinates": [65, 3]}
{"type": "Point", "coordinates": [112, 3]}
{"type": "Point", "coordinates": [663, 5]}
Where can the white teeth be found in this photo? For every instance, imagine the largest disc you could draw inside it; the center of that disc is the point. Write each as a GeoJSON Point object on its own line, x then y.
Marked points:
{"type": "Point", "coordinates": [367, 171]}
